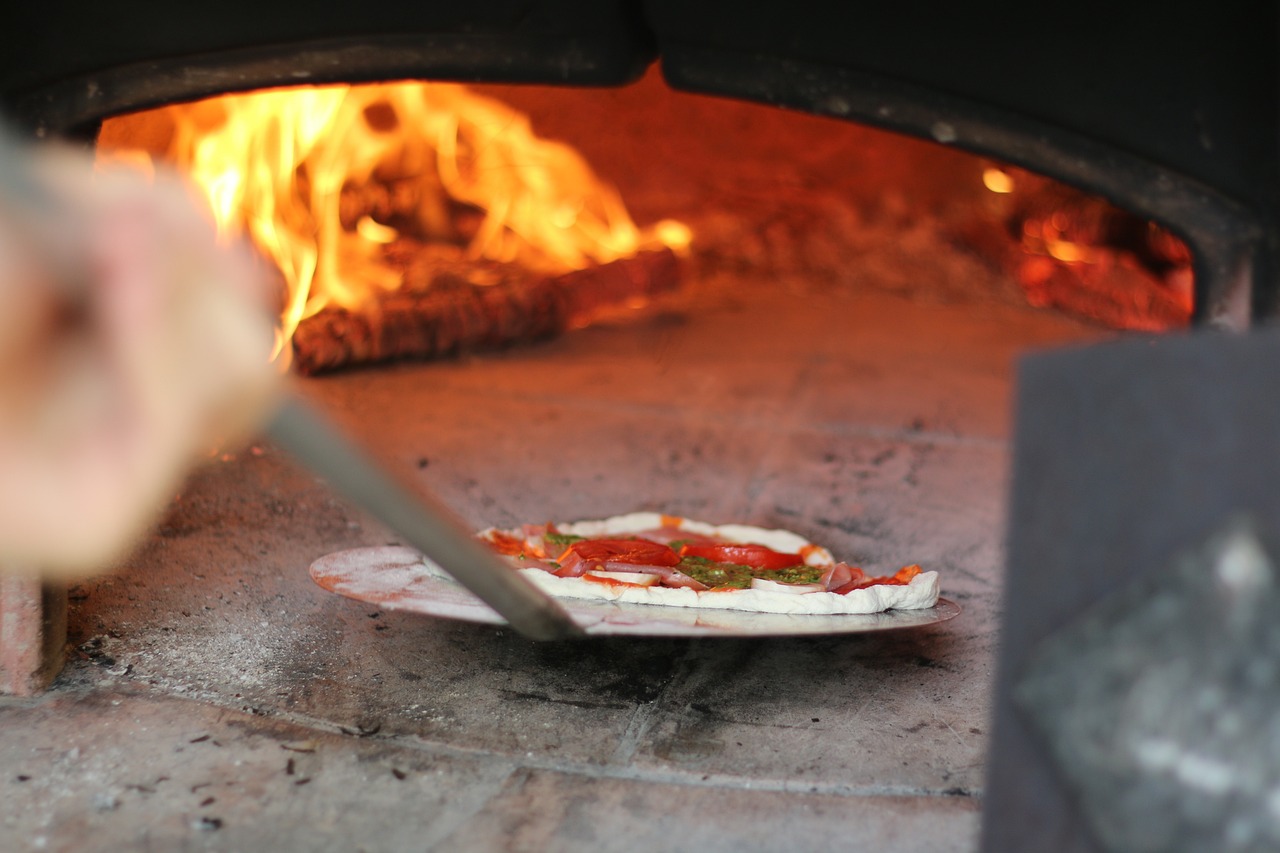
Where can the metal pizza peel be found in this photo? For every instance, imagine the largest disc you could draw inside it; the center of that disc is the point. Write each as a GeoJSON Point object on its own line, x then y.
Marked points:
{"type": "Point", "coordinates": [425, 523]}
{"type": "Point", "coordinates": [402, 579]}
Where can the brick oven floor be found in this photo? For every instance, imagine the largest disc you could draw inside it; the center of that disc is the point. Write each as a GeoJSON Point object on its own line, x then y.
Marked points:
{"type": "Point", "coordinates": [215, 699]}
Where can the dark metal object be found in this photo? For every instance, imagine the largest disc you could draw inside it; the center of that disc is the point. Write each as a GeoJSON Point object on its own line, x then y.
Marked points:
{"type": "Point", "coordinates": [75, 106]}
{"type": "Point", "coordinates": [1162, 706]}
{"type": "Point", "coordinates": [71, 60]}
{"type": "Point", "coordinates": [425, 524]}
{"type": "Point", "coordinates": [1127, 455]}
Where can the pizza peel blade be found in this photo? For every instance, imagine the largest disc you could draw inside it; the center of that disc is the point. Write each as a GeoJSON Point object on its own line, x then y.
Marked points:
{"type": "Point", "coordinates": [424, 523]}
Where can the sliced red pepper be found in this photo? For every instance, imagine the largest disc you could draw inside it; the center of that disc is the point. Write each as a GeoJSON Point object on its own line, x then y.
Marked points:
{"type": "Point", "coordinates": [755, 556]}
{"type": "Point", "coordinates": [906, 573]}
{"type": "Point", "coordinates": [635, 552]}
{"type": "Point", "coordinates": [507, 544]}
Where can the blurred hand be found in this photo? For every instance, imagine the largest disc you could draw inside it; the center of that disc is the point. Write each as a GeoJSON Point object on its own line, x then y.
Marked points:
{"type": "Point", "coordinates": [131, 344]}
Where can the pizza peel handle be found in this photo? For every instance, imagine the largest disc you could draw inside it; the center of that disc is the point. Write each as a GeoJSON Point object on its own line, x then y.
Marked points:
{"type": "Point", "coordinates": [424, 523]}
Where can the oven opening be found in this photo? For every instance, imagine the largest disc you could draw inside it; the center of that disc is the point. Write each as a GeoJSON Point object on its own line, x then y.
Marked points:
{"type": "Point", "coordinates": [836, 339]}
{"type": "Point", "coordinates": [774, 318]}
{"type": "Point", "coordinates": [553, 304]}
{"type": "Point", "coordinates": [423, 220]}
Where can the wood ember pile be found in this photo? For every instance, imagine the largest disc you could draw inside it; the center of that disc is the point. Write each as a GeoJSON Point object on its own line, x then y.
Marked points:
{"type": "Point", "coordinates": [1118, 295]}
{"type": "Point", "coordinates": [449, 305]}
{"type": "Point", "coordinates": [1117, 269]}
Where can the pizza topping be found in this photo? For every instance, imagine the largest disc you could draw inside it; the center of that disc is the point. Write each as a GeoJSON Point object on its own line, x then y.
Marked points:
{"type": "Point", "coordinates": [838, 574]}
{"type": "Point", "coordinates": [668, 556]}
{"type": "Point", "coordinates": [675, 537]}
{"type": "Point", "coordinates": [524, 561]}
{"type": "Point", "coordinates": [679, 579]}
{"type": "Point", "coordinates": [902, 577]}
{"type": "Point", "coordinates": [808, 575]}
{"type": "Point", "coordinates": [587, 554]}
{"type": "Point", "coordinates": [628, 578]}
{"type": "Point", "coordinates": [557, 541]}
{"type": "Point", "coordinates": [666, 575]}
{"type": "Point", "coordinates": [506, 544]}
{"type": "Point", "coordinates": [789, 587]}
{"type": "Point", "coordinates": [755, 556]}
{"type": "Point", "coordinates": [716, 575]}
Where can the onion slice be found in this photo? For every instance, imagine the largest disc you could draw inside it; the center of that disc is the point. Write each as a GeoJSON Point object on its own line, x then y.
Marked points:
{"type": "Point", "coordinates": [765, 585]}
{"type": "Point", "coordinates": [635, 578]}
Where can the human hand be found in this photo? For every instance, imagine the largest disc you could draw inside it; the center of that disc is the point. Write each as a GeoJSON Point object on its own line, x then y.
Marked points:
{"type": "Point", "coordinates": [131, 344]}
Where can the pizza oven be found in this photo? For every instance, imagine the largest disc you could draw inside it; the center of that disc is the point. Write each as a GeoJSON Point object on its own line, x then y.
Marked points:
{"type": "Point", "coordinates": [982, 289]}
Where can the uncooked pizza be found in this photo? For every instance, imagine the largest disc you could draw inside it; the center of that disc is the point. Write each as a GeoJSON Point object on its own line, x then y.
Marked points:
{"type": "Point", "coordinates": [648, 558]}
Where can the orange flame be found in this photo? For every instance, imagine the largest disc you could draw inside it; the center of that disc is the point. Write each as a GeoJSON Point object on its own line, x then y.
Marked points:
{"type": "Point", "coordinates": [282, 167]}
{"type": "Point", "coordinates": [1087, 257]}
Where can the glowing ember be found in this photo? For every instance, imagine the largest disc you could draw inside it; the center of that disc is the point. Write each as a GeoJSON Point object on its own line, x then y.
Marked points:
{"type": "Point", "coordinates": [322, 179]}
{"type": "Point", "coordinates": [1087, 257]}
{"type": "Point", "coordinates": [997, 180]}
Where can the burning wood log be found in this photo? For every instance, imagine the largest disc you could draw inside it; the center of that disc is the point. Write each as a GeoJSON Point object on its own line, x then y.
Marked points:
{"type": "Point", "coordinates": [1080, 254]}
{"type": "Point", "coordinates": [447, 307]}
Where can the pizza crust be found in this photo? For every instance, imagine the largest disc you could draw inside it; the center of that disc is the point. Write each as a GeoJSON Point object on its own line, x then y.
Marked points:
{"type": "Point", "coordinates": [921, 592]}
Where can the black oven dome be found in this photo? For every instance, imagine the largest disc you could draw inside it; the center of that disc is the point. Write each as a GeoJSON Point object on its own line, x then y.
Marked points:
{"type": "Point", "coordinates": [1171, 112]}
{"type": "Point", "coordinates": [131, 54]}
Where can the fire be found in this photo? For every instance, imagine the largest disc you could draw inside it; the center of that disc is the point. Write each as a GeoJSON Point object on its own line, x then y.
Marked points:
{"type": "Point", "coordinates": [322, 179]}
{"type": "Point", "coordinates": [998, 180]}
{"type": "Point", "coordinates": [1085, 256]}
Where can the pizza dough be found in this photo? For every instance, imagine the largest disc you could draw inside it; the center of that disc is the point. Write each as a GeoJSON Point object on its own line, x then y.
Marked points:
{"type": "Point", "coordinates": [920, 592]}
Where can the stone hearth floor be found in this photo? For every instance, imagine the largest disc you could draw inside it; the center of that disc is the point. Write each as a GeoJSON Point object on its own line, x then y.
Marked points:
{"type": "Point", "coordinates": [215, 699]}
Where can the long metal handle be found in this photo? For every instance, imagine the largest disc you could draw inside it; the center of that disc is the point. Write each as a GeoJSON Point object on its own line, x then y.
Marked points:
{"type": "Point", "coordinates": [424, 523]}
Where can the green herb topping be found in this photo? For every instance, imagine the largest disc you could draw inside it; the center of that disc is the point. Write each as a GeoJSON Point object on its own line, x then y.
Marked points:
{"type": "Point", "coordinates": [735, 576]}
{"type": "Point", "coordinates": [564, 540]}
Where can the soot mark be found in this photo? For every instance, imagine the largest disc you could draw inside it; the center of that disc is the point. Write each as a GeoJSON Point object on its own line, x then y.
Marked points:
{"type": "Point", "coordinates": [883, 456]}
{"type": "Point", "coordinates": [589, 704]}
{"type": "Point", "coordinates": [712, 715]}
{"type": "Point", "coordinates": [612, 673]}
